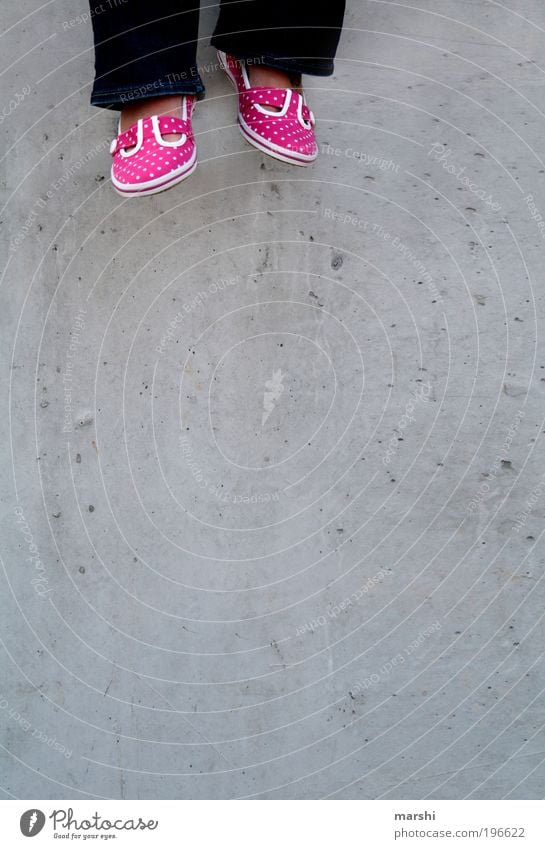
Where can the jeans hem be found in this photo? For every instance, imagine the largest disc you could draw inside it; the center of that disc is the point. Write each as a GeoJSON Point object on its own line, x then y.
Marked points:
{"type": "Point", "coordinates": [313, 67]}
{"type": "Point", "coordinates": [114, 98]}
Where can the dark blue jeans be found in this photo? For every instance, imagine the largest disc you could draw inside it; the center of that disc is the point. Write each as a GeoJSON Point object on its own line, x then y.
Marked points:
{"type": "Point", "coordinates": [148, 48]}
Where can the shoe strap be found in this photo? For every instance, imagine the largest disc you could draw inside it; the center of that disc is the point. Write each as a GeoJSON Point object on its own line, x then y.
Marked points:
{"type": "Point", "coordinates": [264, 96]}
{"type": "Point", "coordinates": [165, 124]}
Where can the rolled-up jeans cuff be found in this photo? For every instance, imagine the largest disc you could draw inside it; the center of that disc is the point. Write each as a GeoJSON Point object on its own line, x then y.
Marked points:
{"type": "Point", "coordinates": [116, 98]}
{"type": "Point", "coordinates": [300, 65]}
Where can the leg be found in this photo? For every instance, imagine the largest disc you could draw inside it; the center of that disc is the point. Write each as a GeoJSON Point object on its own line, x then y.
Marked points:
{"type": "Point", "coordinates": [292, 36]}
{"type": "Point", "coordinates": [144, 49]}
{"type": "Point", "coordinates": [145, 62]}
{"type": "Point", "coordinates": [265, 47]}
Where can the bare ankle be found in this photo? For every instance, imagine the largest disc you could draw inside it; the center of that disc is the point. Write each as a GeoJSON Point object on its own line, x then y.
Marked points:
{"type": "Point", "coordinates": [262, 75]}
{"type": "Point", "coordinates": [170, 105]}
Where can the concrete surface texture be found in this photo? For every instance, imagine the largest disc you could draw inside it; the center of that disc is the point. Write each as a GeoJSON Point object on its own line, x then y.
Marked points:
{"type": "Point", "coordinates": [271, 519]}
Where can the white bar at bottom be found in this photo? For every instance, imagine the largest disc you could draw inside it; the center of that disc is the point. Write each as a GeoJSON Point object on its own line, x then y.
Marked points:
{"type": "Point", "coordinates": [288, 824]}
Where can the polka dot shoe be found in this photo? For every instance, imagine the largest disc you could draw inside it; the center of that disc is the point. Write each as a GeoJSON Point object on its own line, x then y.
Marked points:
{"type": "Point", "coordinates": [145, 163]}
{"type": "Point", "coordinates": [287, 134]}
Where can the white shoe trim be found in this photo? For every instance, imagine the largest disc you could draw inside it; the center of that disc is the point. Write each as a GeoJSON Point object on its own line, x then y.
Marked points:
{"type": "Point", "coordinates": [155, 190]}
{"type": "Point", "coordinates": [139, 140]}
{"type": "Point", "coordinates": [157, 181]}
{"type": "Point", "coordinates": [307, 125]}
{"type": "Point", "coordinates": [281, 112]}
{"type": "Point", "coordinates": [159, 138]}
{"type": "Point", "coordinates": [266, 145]}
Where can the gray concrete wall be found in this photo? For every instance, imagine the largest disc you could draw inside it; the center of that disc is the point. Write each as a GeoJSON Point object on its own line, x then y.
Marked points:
{"type": "Point", "coordinates": [342, 598]}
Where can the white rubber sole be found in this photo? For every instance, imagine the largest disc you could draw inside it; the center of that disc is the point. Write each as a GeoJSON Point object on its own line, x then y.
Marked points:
{"type": "Point", "coordinates": [270, 151]}
{"type": "Point", "coordinates": [137, 192]}
{"type": "Point", "coordinates": [253, 139]}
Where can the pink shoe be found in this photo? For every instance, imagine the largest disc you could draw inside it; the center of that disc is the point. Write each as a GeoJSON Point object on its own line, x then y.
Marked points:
{"type": "Point", "coordinates": [144, 163]}
{"type": "Point", "coordinates": [288, 134]}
